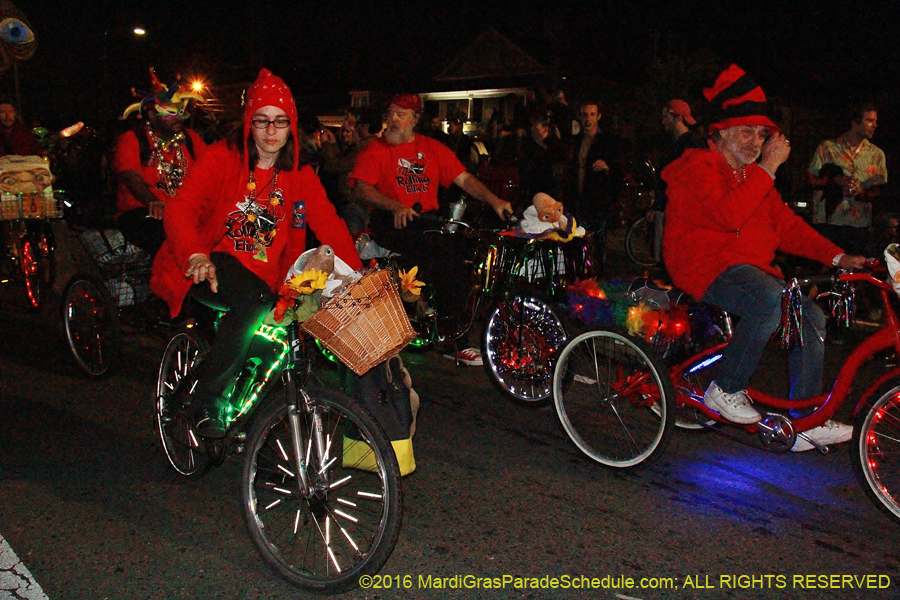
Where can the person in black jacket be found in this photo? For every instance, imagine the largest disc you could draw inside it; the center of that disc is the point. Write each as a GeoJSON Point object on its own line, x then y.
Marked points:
{"type": "Point", "coordinates": [596, 176]}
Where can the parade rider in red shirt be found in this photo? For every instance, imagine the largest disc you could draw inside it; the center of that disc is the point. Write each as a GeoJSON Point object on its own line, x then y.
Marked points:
{"type": "Point", "coordinates": [151, 162]}
{"type": "Point", "coordinates": [401, 171]}
{"type": "Point", "coordinates": [399, 175]}
{"type": "Point", "coordinates": [724, 222]}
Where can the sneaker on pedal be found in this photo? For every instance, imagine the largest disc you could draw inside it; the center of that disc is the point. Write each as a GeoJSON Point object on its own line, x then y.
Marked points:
{"type": "Point", "coordinates": [210, 424]}
{"type": "Point", "coordinates": [734, 407]}
{"type": "Point", "coordinates": [830, 432]}
{"type": "Point", "coordinates": [469, 356]}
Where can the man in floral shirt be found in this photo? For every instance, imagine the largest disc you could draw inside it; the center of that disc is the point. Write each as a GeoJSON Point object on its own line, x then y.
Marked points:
{"type": "Point", "coordinates": [863, 172]}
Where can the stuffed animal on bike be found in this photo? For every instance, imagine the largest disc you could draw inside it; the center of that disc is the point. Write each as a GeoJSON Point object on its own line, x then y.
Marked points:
{"type": "Point", "coordinates": [546, 219]}
{"type": "Point", "coordinates": [323, 270]}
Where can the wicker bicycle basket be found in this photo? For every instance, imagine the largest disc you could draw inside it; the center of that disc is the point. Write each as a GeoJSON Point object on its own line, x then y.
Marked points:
{"type": "Point", "coordinates": [363, 325]}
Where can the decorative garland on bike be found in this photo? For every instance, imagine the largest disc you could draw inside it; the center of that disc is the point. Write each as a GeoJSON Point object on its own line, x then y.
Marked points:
{"type": "Point", "coordinates": [615, 303]}
{"type": "Point", "coordinates": [791, 328]}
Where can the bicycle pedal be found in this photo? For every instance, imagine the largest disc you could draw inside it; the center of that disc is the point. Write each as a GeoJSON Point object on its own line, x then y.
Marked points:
{"type": "Point", "coordinates": [819, 446]}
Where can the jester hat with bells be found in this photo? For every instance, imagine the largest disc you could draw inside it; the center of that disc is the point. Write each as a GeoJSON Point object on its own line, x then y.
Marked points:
{"type": "Point", "coordinates": [168, 101]}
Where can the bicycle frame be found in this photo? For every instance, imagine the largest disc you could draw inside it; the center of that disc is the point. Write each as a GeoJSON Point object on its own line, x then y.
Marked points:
{"type": "Point", "coordinates": [888, 337]}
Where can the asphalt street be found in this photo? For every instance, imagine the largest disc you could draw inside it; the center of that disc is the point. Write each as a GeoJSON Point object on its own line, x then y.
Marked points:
{"type": "Point", "coordinates": [501, 504]}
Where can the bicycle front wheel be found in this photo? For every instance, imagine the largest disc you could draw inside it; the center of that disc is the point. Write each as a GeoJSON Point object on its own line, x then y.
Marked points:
{"type": "Point", "coordinates": [345, 525]}
{"type": "Point", "coordinates": [876, 452]}
{"type": "Point", "coordinates": [614, 399]}
{"type": "Point", "coordinates": [521, 343]}
{"type": "Point", "coordinates": [639, 243]}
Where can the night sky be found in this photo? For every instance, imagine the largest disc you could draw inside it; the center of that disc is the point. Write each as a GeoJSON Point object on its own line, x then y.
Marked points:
{"type": "Point", "coordinates": [820, 54]}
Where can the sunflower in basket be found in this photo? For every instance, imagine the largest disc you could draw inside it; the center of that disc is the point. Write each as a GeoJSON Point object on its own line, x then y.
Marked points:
{"type": "Point", "coordinates": [410, 287]}
{"type": "Point", "coordinates": [300, 295]}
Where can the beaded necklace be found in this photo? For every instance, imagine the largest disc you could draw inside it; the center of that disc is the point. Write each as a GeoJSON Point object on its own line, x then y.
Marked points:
{"type": "Point", "coordinates": [261, 218]}
{"type": "Point", "coordinates": [169, 159]}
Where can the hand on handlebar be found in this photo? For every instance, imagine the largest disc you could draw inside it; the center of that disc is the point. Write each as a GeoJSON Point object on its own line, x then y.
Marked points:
{"type": "Point", "coordinates": [155, 210]}
{"type": "Point", "coordinates": [403, 216]}
{"type": "Point", "coordinates": [503, 209]}
{"type": "Point", "coordinates": [200, 268]}
{"type": "Point", "coordinates": [852, 261]}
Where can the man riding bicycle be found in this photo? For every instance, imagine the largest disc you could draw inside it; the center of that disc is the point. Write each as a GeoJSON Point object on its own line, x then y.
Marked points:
{"type": "Point", "coordinates": [724, 222]}
{"type": "Point", "coordinates": [399, 174]}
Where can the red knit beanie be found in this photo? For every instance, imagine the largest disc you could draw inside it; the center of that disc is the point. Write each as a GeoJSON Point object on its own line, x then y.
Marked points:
{"type": "Point", "coordinates": [412, 102]}
{"type": "Point", "coordinates": [737, 100]}
{"type": "Point", "coordinates": [270, 90]}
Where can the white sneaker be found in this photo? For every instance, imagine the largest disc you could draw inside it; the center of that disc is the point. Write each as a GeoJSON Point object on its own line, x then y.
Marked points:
{"type": "Point", "coordinates": [734, 407]}
{"type": "Point", "coordinates": [469, 356]}
{"type": "Point", "coordinates": [831, 432]}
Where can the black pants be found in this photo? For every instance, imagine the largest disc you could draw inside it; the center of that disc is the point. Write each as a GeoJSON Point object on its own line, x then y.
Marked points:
{"type": "Point", "coordinates": [442, 259]}
{"type": "Point", "coordinates": [141, 230]}
{"type": "Point", "coordinates": [246, 300]}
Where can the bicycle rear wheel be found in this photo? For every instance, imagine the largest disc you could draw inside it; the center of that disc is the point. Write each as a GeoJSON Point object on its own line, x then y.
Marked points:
{"type": "Point", "coordinates": [348, 522]}
{"type": "Point", "coordinates": [185, 450]}
{"type": "Point", "coordinates": [875, 448]}
{"type": "Point", "coordinates": [614, 399]}
{"type": "Point", "coordinates": [522, 339]}
{"type": "Point", "coordinates": [639, 243]}
{"type": "Point", "coordinates": [90, 323]}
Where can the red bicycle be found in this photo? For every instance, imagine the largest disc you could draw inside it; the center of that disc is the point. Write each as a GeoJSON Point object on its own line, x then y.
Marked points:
{"type": "Point", "coordinates": [619, 402]}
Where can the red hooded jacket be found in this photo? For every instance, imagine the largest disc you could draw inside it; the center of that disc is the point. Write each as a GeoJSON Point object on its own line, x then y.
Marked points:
{"type": "Point", "coordinates": [714, 221]}
{"type": "Point", "coordinates": [197, 220]}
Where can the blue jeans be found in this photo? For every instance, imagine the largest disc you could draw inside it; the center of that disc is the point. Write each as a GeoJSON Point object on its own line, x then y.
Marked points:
{"type": "Point", "coordinates": [755, 297]}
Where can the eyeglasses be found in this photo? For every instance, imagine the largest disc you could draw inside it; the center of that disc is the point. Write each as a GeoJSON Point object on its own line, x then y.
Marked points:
{"type": "Point", "coordinates": [263, 123]}
{"type": "Point", "coordinates": [400, 114]}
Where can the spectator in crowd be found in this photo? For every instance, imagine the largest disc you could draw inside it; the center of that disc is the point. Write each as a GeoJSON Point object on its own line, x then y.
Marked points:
{"type": "Point", "coordinates": [151, 162]}
{"type": "Point", "coordinates": [562, 117]}
{"type": "Point", "coordinates": [369, 124]}
{"type": "Point", "coordinates": [461, 144]}
{"type": "Point", "coordinates": [14, 136]}
{"type": "Point", "coordinates": [541, 158]}
{"type": "Point", "coordinates": [338, 158]}
{"type": "Point", "coordinates": [724, 222]}
{"type": "Point", "coordinates": [596, 176]}
{"type": "Point", "coordinates": [431, 126]}
{"type": "Point", "coordinates": [677, 122]}
{"type": "Point", "coordinates": [863, 173]}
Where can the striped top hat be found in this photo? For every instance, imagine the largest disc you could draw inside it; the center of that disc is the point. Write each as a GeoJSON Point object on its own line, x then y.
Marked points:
{"type": "Point", "coordinates": [737, 100]}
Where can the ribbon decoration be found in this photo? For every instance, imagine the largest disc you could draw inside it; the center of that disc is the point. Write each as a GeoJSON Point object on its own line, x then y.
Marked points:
{"type": "Point", "coordinates": [791, 330]}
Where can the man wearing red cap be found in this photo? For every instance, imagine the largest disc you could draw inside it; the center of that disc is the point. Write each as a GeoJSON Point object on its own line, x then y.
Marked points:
{"type": "Point", "coordinates": [399, 175]}
{"type": "Point", "coordinates": [677, 122]}
{"type": "Point", "coordinates": [401, 171]}
{"type": "Point", "coordinates": [724, 222]}
{"type": "Point", "coordinates": [235, 228]}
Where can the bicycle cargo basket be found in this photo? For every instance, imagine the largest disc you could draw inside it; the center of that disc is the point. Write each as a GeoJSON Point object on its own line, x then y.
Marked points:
{"type": "Point", "coordinates": [363, 325]}
{"type": "Point", "coordinates": [30, 205]}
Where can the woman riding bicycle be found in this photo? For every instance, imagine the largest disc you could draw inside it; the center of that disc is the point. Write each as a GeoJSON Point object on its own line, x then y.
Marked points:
{"type": "Point", "coordinates": [236, 226]}
{"type": "Point", "coordinates": [724, 222]}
